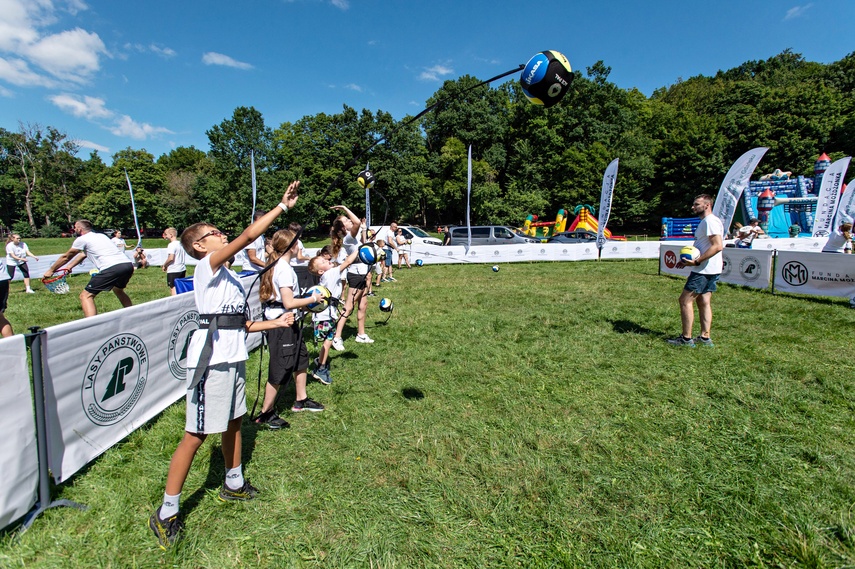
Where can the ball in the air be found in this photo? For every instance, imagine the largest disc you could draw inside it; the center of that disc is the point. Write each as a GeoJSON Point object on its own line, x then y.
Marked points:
{"type": "Point", "coordinates": [495, 268]}
{"type": "Point", "coordinates": [93, 272]}
{"type": "Point", "coordinates": [419, 262]}
{"type": "Point", "coordinates": [368, 254]}
{"type": "Point", "coordinates": [325, 300]}
{"type": "Point", "coordinates": [689, 253]}
{"type": "Point", "coordinates": [365, 179]}
{"type": "Point", "coordinates": [546, 78]}
{"type": "Point", "coordinates": [386, 305]}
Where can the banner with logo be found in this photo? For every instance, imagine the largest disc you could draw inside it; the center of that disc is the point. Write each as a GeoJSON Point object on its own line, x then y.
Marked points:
{"type": "Point", "coordinates": [846, 207]}
{"type": "Point", "coordinates": [747, 267]}
{"type": "Point", "coordinates": [826, 274]}
{"type": "Point", "coordinates": [829, 194]}
{"type": "Point", "coordinates": [18, 449]}
{"type": "Point", "coordinates": [734, 183]}
{"type": "Point", "coordinates": [105, 376]}
{"type": "Point", "coordinates": [606, 201]}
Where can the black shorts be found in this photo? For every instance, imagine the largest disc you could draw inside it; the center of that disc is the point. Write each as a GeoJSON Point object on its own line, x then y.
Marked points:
{"type": "Point", "coordinates": [357, 282]}
{"type": "Point", "coordinates": [288, 354]}
{"type": "Point", "coordinates": [25, 270]}
{"type": "Point", "coordinates": [116, 276]}
{"type": "Point", "coordinates": [4, 294]}
{"type": "Point", "coordinates": [170, 278]}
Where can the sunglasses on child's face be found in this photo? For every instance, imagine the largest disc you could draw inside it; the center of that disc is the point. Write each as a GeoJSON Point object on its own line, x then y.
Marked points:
{"type": "Point", "coordinates": [213, 232]}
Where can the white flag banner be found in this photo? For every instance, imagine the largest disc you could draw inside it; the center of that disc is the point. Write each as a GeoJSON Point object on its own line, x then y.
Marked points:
{"type": "Point", "coordinates": [18, 448]}
{"type": "Point", "coordinates": [606, 201]}
{"type": "Point", "coordinates": [734, 183]}
{"type": "Point", "coordinates": [134, 208]}
{"type": "Point", "coordinates": [254, 187]}
{"type": "Point", "coordinates": [829, 195]}
{"type": "Point", "coordinates": [825, 274]}
{"type": "Point", "coordinates": [846, 207]}
{"type": "Point", "coordinates": [468, 199]}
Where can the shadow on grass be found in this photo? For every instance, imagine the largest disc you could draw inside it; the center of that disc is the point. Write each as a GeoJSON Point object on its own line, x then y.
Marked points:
{"type": "Point", "coordinates": [629, 327]}
{"type": "Point", "coordinates": [412, 393]}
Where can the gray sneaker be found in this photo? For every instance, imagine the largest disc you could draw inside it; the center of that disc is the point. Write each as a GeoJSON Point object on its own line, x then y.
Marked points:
{"type": "Point", "coordinates": [701, 341]}
{"type": "Point", "coordinates": [681, 341]}
{"type": "Point", "coordinates": [322, 374]}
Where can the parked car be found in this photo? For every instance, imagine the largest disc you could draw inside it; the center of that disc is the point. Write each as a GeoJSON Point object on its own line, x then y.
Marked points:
{"type": "Point", "coordinates": [580, 236]}
{"type": "Point", "coordinates": [415, 234]}
{"type": "Point", "coordinates": [488, 235]}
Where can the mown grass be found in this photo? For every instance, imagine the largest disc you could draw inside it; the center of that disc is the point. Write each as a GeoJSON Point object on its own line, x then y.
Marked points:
{"type": "Point", "coordinates": [532, 417]}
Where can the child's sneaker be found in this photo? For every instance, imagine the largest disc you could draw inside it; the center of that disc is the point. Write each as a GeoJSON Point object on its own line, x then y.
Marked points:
{"type": "Point", "coordinates": [338, 344]}
{"type": "Point", "coordinates": [306, 405]}
{"type": "Point", "coordinates": [242, 494]}
{"type": "Point", "coordinates": [681, 341]}
{"type": "Point", "coordinates": [166, 531]}
{"type": "Point", "coordinates": [364, 339]}
{"type": "Point", "coordinates": [322, 374]}
{"type": "Point", "coordinates": [706, 342]}
{"type": "Point", "coordinates": [272, 420]}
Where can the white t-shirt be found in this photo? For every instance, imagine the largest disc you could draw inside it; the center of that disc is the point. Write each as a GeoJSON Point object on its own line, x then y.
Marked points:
{"type": "Point", "coordinates": [390, 239]}
{"type": "Point", "coordinates": [179, 263]}
{"type": "Point", "coordinates": [119, 243]}
{"type": "Point", "coordinates": [302, 250]}
{"type": "Point", "coordinates": [283, 277]}
{"type": "Point", "coordinates": [836, 242]}
{"type": "Point", "coordinates": [351, 244]}
{"type": "Point", "coordinates": [19, 250]}
{"type": "Point", "coordinates": [746, 234]}
{"type": "Point", "coordinates": [709, 226]}
{"type": "Point", "coordinates": [4, 274]}
{"type": "Point", "coordinates": [260, 254]}
{"type": "Point", "coordinates": [100, 251]}
{"type": "Point", "coordinates": [218, 293]}
{"type": "Point", "coordinates": [332, 280]}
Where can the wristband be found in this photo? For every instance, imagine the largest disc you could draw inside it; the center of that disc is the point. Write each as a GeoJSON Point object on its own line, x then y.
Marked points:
{"type": "Point", "coordinates": [283, 206]}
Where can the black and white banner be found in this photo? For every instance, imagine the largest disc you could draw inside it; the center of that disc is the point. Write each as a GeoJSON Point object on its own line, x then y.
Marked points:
{"type": "Point", "coordinates": [745, 267]}
{"type": "Point", "coordinates": [826, 274]}
{"type": "Point", "coordinates": [18, 449]}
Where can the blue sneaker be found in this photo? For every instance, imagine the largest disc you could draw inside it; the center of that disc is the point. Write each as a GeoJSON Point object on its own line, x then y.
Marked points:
{"type": "Point", "coordinates": [322, 374]}
{"type": "Point", "coordinates": [701, 341]}
{"type": "Point", "coordinates": [681, 341]}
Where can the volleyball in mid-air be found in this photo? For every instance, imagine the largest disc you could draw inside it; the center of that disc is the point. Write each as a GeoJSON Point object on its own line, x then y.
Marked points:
{"type": "Point", "coordinates": [325, 301]}
{"type": "Point", "coordinates": [419, 262]}
{"type": "Point", "coordinates": [365, 179]}
{"type": "Point", "coordinates": [689, 253]}
{"type": "Point", "coordinates": [386, 305]}
{"type": "Point", "coordinates": [546, 78]}
{"type": "Point", "coordinates": [368, 254]}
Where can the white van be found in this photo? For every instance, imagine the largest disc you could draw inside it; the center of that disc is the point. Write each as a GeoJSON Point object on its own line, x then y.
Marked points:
{"type": "Point", "coordinates": [415, 234]}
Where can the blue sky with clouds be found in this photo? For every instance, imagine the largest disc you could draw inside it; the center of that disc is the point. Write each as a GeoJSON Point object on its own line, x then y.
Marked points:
{"type": "Point", "coordinates": [158, 74]}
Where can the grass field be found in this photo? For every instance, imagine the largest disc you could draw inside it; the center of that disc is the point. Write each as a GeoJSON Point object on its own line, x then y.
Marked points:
{"type": "Point", "coordinates": [532, 417]}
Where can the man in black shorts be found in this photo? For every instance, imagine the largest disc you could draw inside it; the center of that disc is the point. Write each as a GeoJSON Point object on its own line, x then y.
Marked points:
{"type": "Point", "coordinates": [114, 269]}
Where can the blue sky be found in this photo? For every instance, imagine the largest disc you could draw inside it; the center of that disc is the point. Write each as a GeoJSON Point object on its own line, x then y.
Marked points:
{"type": "Point", "coordinates": [156, 75]}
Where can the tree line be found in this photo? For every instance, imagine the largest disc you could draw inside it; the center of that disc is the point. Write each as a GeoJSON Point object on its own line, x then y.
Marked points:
{"type": "Point", "coordinates": [676, 143]}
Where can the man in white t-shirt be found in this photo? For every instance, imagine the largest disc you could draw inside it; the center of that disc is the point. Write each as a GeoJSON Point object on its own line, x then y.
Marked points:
{"type": "Point", "coordinates": [114, 269]}
{"type": "Point", "coordinates": [746, 234]}
{"type": "Point", "coordinates": [702, 280]}
{"type": "Point", "coordinates": [175, 265]}
{"type": "Point", "coordinates": [390, 238]}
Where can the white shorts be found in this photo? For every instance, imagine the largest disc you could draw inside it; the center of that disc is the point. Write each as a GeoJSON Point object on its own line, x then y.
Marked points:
{"type": "Point", "coordinates": [219, 397]}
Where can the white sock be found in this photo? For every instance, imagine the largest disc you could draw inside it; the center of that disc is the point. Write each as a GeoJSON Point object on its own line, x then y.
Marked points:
{"type": "Point", "coordinates": [170, 506]}
{"type": "Point", "coordinates": [234, 478]}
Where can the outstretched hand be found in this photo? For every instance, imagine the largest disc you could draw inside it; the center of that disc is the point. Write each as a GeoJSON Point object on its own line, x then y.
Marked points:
{"type": "Point", "coordinates": [290, 196]}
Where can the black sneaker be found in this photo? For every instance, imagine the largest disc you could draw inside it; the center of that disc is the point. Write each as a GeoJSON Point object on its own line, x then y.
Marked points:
{"type": "Point", "coordinates": [706, 342]}
{"type": "Point", "coordinates": [681, 341]}
{"type": "Point", "coordinates": [272, 420]}
{"type": "Point", "coordinates": [242, 494]}
{"type": "Point", "coordinates": [166, 531]}
{"type": "Point", "coordinates": [306, 405]}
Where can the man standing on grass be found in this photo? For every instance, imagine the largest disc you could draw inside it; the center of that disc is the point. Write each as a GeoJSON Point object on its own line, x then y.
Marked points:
{"type": "Point", "coordinates": [114, 269]}
{"type": "Point", "coordinates": [701, 282]}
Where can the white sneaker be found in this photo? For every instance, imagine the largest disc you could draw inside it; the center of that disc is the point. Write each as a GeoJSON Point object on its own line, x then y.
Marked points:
{"type": "Point", "coordinates": [364, 339]}
{"type": "Point", "coordinates": [338, 344]}
{"type": "Point", "coordinates": [31, 291]}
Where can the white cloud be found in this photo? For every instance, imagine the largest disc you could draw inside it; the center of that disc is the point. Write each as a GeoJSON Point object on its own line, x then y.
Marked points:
{"type": "Point", "coordinates": [797, 11]}
{"type": "Point", "coordinates": [353, 87]}
{"type": "Point", "coordinates": [435, 73]}
{"type": "Point", "coordinates": [18, 72]}
{"type": "Point", "coordinates": [92, 145]}
{"type": "Point", "coordinates": [87, 107]}
{"type": "Point", "coordinates": [342, 4]}
{"type": "Point", "coordinates": [4, 92]}
{"type": "Point", "coordinates": [126, 126]}
{"type": "Point", "coordinates": [72, 55]}
{"type": "Point", "coordinates": [213, 58]}
{"type": "Point", "coordinates": [164, 52]}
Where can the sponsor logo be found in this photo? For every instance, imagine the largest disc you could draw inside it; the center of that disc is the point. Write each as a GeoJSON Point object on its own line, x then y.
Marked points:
{"type": "Point", "coordinates": [496, 253]}
{"type": "Point", "coordinates": [554, 89]}
{"type": "Point", "coordinates": [543, 251]}
{"type": "Point", "coordinates": [519, 251]}
{"type": "Point", "coordinates": [115, 379]}
{"type": "Point", "coordinates": [821, 233]}
{"type": "Point", "coordinates": [726, 265]}
{"type": "Point", "coordinates": [530, 77]}
{"type": "Point", "coordinates": [179, 341]}
{"type": "Point", "coordinates": [564, 251]}
{"type": "Point", "coordinates": [749, 268]}
{"type": "Point", "coordinates": [670, 259]}
{"type": "Point", "coordinates": [794, 273]}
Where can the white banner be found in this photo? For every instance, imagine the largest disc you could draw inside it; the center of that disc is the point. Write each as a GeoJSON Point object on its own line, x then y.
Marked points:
{"type": "Point", "coordinates": [747, 267]}
{"type": "Point", "coordinates": [606, 201]}
{"type": "Point", "coordinates": [469, 199]}
{"type": "Point", "coordinates": [105, 376]}
{"type": "Point", "coordinates": [829, 193]}
{"type": "Point", "coordinates": [826, 274]}
{"type": "Point", "coordinates": [846, 207]}
{"type": "Point", "coordinates": [18, 448]}
{"type": "Point", "coordinates": [734, 183]}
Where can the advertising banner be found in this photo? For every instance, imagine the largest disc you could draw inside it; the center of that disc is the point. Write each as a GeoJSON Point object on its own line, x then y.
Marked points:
{"type": "Point", "coordinates": [18, 449]}
{"type": "Point", "coordinates": [826, 274]}
{"type": "Point", "coordinates": [734, 184]}
{"type": "Point", "coordinates": [829, 193]}
{"type": "Point", "coordinates": [747, 267]}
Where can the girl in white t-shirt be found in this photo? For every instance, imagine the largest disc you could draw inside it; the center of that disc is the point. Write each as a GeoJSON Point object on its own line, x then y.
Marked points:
{"type": "Point", "coordinates": [358, 276]}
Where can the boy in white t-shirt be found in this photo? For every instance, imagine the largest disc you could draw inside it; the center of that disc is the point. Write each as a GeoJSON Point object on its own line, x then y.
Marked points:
{"type": "Point", "coordinates": [175, 265]}
{"type": "Point", "coordinates": [216, 380]}
{"type": "Point", "coordinates": [324, 323]}
{"type": "Point", "coordinates": [114, 269]}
